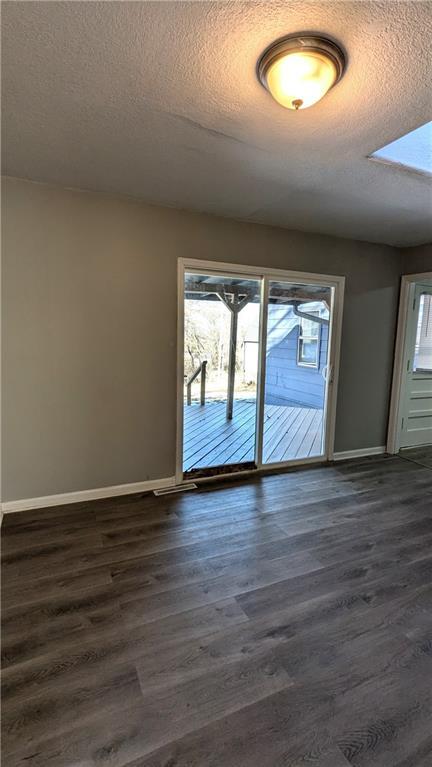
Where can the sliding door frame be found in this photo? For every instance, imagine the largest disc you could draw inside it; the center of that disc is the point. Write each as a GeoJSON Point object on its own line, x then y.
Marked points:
{"type": "Point", "coordinates": [266, 275]}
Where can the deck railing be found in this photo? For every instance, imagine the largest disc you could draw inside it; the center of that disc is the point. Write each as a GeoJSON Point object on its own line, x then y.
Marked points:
{"type": "Point", "coordinates": [201, 369]}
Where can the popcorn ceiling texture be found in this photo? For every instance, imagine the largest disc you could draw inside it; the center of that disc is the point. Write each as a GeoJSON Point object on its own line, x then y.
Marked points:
{"type": "Point", "coordinates": [160, 101]}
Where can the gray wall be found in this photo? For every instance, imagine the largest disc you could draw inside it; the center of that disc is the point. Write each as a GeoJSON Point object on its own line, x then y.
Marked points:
{"type": "Point", "coordinates": [417, 260]}
{"type": "Point", "coordinates": [89, 331]}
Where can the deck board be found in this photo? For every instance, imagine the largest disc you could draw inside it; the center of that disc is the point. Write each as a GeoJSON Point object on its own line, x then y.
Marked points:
{"type": "Point", "coordinates": [210, 439]}
{"type": "Point", "coordinates": [219, 436]}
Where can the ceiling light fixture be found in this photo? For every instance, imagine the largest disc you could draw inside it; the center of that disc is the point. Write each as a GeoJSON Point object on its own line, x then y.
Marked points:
{"type": "Point", "coordinates": [298, 70]}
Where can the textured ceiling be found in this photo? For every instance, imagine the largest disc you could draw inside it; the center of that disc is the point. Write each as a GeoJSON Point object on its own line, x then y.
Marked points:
{"type": "Point", "coordinates": [160, 101]}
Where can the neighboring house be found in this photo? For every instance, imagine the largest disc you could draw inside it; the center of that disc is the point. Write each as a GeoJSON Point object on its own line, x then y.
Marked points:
{"type": "Point", "coordinates": [296, 356]}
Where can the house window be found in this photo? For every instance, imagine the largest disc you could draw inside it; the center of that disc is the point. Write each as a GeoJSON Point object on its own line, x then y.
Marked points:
{"type": "Point", "coordinates": [308, 345]}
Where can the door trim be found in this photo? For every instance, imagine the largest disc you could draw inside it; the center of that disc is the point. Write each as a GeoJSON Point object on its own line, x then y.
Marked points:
{"type": "Point", "coordinates": [408, 282]}
{"type": "Point", "coordinates": [336, 282]}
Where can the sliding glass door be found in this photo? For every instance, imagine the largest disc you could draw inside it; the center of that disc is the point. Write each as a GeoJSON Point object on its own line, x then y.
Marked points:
{"type": "Point", "coordinates": [255, 370]}
{"type": "Point", "coordinates": [296, 371]}
{"type": "Point", "coordinates": [221, 331]}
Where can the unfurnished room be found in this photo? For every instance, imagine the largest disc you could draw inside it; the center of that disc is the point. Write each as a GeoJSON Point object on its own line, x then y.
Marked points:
{"type": "Point", "coordinates": [216, 383]}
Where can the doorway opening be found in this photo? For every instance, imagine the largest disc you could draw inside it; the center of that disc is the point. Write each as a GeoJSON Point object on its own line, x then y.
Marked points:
{"type": "Point", "coordinates": [257, 354]}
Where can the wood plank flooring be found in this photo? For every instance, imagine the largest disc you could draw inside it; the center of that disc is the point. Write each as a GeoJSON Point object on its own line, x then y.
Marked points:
{"type": "Point", "coordinates": [283, 621]}
{"type": "Point", "coordinates": [421, 455]}
{"type": "Point", "coordinates": [210, 440]}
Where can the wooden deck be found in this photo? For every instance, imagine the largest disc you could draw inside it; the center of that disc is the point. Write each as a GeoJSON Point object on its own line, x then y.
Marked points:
{"type": "Point", "coordinates": [211, 440]}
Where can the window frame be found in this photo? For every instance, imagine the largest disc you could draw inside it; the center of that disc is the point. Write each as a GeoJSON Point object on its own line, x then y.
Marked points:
{"type": "Point", "coordinates": [303, 337]}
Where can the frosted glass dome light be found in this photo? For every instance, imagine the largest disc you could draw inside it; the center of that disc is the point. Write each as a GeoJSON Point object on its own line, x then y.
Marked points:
{"type": "Point", "coordinates": [299, 70]}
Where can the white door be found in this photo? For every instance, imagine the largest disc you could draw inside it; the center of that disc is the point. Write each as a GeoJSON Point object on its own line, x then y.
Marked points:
{"type": "Point", "coordinates": [416, 423]}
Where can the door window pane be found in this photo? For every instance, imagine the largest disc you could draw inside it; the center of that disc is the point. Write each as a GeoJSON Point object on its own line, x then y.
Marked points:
{"type": "Point", "coordinates": [296, 371]}
{"type": "Point", "coordinates": [423, 345]}
{"type": "Point", "coordinates": [221, 333]}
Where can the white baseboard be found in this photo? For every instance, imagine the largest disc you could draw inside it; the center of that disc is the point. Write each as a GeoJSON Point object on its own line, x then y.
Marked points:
{"type": "Point", "coordinates": [61, 499]}
{"type": "Point", "coordinates": [25, 504]}
{"type": "Point", "coordinates": [364, 451]}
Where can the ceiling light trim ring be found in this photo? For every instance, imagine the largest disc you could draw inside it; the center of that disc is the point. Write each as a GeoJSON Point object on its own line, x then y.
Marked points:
{"type": "Point", "coordinates": [301, 43]}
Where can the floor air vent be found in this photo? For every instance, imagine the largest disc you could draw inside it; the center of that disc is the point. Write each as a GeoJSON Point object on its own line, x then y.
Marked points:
{"type": "Point", "coordinates": [175, 489]}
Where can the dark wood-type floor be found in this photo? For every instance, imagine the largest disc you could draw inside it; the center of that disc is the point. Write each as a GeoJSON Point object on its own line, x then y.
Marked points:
{"type": "Point", "coordinates": [279, 622]}
{"type": "Point", "coordinates": [421, 455]}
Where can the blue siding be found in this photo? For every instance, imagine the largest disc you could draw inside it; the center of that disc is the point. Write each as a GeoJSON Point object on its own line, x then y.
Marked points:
{"type": "Point", "coordinates": [285, 380]}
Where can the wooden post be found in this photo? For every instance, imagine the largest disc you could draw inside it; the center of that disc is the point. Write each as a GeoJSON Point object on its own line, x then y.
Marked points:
{"type": "Point", "coordinates": [201, 369]}
{"type": "Point", "coordinates": [232, 362]}
{"type": "Point", "coordinates": [235, 306]}
{"type": "Point", "coordinates": [203, 381]}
